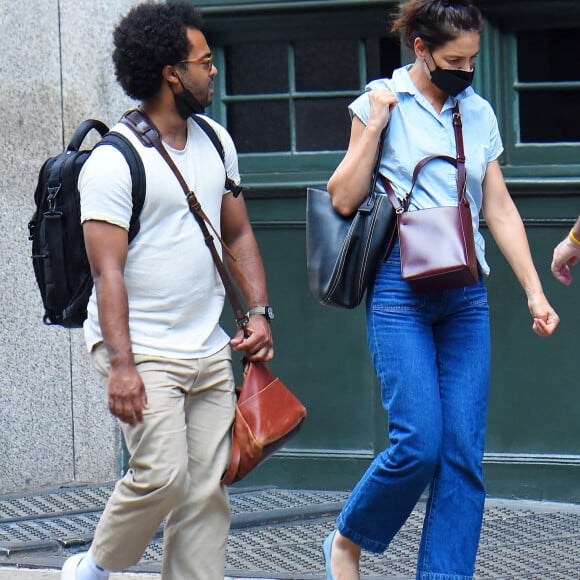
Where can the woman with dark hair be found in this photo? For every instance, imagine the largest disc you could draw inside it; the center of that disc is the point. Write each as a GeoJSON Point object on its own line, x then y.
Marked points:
{"type": "Point", "coordinates": [431, 351]}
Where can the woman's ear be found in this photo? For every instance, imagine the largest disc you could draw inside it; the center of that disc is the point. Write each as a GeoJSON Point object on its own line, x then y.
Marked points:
{"type": "Point", "coordinates": [420, 48]}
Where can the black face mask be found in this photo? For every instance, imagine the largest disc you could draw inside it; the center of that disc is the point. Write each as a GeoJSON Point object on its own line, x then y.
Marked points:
{"type": "Point", "coordinates": [186, 104]}
{"type": "Point", "coordinates": [451, 81]}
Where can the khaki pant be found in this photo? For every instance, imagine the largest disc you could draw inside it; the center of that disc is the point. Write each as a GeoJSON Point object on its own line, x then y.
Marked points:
{"type": "Point", "coordinates": [178, 454]}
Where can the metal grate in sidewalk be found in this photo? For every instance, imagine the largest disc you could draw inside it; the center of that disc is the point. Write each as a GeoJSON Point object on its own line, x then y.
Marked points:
{"type": "Point", "coordinates": [278, 533]}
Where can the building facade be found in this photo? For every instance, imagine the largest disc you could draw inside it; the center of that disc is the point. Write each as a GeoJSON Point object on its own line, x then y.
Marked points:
{"type": "Point", "coordinates": [287, 71]}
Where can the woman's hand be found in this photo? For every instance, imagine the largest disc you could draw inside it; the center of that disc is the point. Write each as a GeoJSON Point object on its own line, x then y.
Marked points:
{"type": "Point", "coordinates": [506, 227]}
{"type": "Point", "coordinates": [349, 184]}
{"type": "Point", "coordinates": [545, 318]}
{"type": "Point", "coordinates": [381, 102]}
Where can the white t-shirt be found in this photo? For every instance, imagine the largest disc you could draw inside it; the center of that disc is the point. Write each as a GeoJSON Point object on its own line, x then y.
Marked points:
{"type": "Point", "coordinates": [175, 294]}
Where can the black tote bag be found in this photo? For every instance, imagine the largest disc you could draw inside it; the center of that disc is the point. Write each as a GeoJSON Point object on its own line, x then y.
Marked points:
{"type": "Point", "coordinates": [342, 253]}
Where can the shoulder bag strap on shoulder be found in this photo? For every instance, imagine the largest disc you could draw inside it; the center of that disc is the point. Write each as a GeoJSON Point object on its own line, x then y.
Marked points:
{"type": "Point", "coordinates": [458, 162]}
{"type": "Point", "coordinates": [149, 135]}
{"type": "Point", "coordinates": [461, 171]}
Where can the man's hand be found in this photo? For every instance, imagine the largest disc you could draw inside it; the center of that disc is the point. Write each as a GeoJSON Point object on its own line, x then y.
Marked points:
{"type": "Point", "coordinates": [127, 397]}
{"type": "Point", "coordinates": [258, 344]}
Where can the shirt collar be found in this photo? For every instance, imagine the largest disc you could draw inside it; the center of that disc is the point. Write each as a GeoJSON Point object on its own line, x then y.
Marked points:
{"type": "Point", "coordinates": [402, 80]}
{"type": "Point", "coordinates": [403, 83]}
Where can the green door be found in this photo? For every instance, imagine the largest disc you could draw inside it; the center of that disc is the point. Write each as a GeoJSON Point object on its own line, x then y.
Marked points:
{"type": "Point", "coordinates": [287, 71]}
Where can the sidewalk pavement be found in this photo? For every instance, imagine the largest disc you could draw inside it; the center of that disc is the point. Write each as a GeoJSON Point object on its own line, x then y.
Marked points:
{"type": "Point", "coordinates": [34, 574]}
{"type": "Point", "coordinates": [277, 534]}
{"type": "Point", "coordinates": [31, 574]}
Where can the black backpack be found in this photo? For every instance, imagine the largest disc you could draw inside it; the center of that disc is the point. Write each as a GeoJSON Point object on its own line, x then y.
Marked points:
{"type": "Point", "coordinates": [59, 258]}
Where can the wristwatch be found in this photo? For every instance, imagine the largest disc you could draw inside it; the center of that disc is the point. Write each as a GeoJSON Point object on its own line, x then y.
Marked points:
{"type": "Point", "coordinates": [266, 311]}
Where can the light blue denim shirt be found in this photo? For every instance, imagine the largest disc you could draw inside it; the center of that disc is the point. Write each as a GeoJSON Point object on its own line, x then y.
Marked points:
{"type": "Point", "coordinates": [415, 130]}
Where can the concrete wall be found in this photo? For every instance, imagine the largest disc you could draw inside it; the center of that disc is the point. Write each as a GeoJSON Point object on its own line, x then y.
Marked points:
{"type": "Point", "coordinates": [55, 71]}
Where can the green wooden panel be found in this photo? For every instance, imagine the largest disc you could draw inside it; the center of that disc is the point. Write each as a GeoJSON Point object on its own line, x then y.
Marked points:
{"type": "Point", "coordinates": [536, 481]}
{"type": "Point", "coordinates": [533, 444]}
{"type": "Point", "coordinates": [518, 14]}
{"type": "Point", "coordinates": [496, 73]}
{"type": "Point", "coordinates": [228, 6]}
{"type": "Point", "coordinates": [533, 441]}
{"type": "Point", "coordinates": [292, 167]}
{"type": "Point", "coordinates": [536, 160]}
{"type": "Point", "coordinates": [532, 399]}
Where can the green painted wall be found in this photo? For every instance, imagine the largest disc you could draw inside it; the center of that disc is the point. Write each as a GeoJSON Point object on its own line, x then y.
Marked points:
{"type": "Point", "coordinates": [534, 418]}
{"type": "Point", "coordinates": [533, 444]}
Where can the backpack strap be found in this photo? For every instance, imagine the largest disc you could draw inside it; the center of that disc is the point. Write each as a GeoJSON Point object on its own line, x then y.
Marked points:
{"type": "Point", "coordinates": [230, 184]}
{"type": "Point", "coordinates": [138, 184]}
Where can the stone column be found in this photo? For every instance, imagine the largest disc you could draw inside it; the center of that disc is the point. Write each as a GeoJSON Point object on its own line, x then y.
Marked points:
{"type": "Point", "coordinates": [55, 71]}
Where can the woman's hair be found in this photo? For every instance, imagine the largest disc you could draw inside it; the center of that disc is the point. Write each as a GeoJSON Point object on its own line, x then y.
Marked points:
{"type": "Point", "coordinates": [149, 37]}
{"type": "Point", "coordinates": [436, 21]}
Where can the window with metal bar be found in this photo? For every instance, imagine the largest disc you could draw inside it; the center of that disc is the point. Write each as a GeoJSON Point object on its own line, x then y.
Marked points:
{"type": "Point", "coordinates": [291, 97]}
{"type": "Point", "coordinates": [548, 85]}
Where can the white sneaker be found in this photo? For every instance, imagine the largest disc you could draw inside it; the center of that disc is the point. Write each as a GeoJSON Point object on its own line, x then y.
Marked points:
{"type": "Point", "coordinates": [70, 567]}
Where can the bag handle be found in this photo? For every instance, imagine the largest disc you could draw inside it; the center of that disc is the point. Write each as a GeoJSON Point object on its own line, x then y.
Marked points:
{"type": "Point", "coordinates": [458, 162]}
{"type": "Point", "coordinates": [149, 136]}
{"type": "Point", "coordinates": [367, 205]}
{"type": "Point", "coordinates": [83, 130]}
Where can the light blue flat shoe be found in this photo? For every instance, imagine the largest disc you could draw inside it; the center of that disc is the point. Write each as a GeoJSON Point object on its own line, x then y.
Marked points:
{"type": "Point", "coordinates": [327, 548]}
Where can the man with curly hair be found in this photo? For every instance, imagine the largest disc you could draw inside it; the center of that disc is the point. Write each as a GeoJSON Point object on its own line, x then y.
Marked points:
{"type": "Point", "coordinates": [153, 319]}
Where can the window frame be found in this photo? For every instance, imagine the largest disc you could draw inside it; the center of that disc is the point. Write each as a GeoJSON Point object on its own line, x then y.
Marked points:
{"type": "Point", "coordinates": [539, 167]}
{"type": "Point", "coordinates": [292, 160]}
{"type": "Point", "coordinates": [291, 169]}
{"type": "Point", "coordinates": [532, 167]}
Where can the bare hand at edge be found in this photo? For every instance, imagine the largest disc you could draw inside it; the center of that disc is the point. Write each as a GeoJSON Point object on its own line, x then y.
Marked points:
{"type": "Point", "coordinates": [566, 254]}
{"type": "Point", "coordinates": [127, 397]}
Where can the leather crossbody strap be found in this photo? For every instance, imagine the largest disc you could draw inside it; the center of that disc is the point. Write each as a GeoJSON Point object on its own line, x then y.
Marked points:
{"type": "Point", "coordinates": [149, 136]}
{"type": "Point", "coordinates": [461, 171]}
{"type": "Point", "coordinates": [458, 162]}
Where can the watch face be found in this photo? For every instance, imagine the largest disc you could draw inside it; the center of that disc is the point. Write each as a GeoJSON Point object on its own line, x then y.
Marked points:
{"type": "Point", "coordinates": [269, 312]}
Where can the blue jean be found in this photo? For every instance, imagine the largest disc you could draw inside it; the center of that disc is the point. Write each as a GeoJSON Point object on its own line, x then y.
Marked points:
{"type": "Point", "coordinates": [431, 354]}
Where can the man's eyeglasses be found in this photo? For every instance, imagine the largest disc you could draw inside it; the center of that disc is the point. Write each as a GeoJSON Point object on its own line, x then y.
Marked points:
{"type": "Point", "coordinates": [206, 61]}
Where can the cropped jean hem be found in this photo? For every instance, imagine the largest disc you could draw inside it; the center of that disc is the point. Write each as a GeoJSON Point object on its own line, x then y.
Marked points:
{"type": "Point", "coordinates": [360, 540]}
